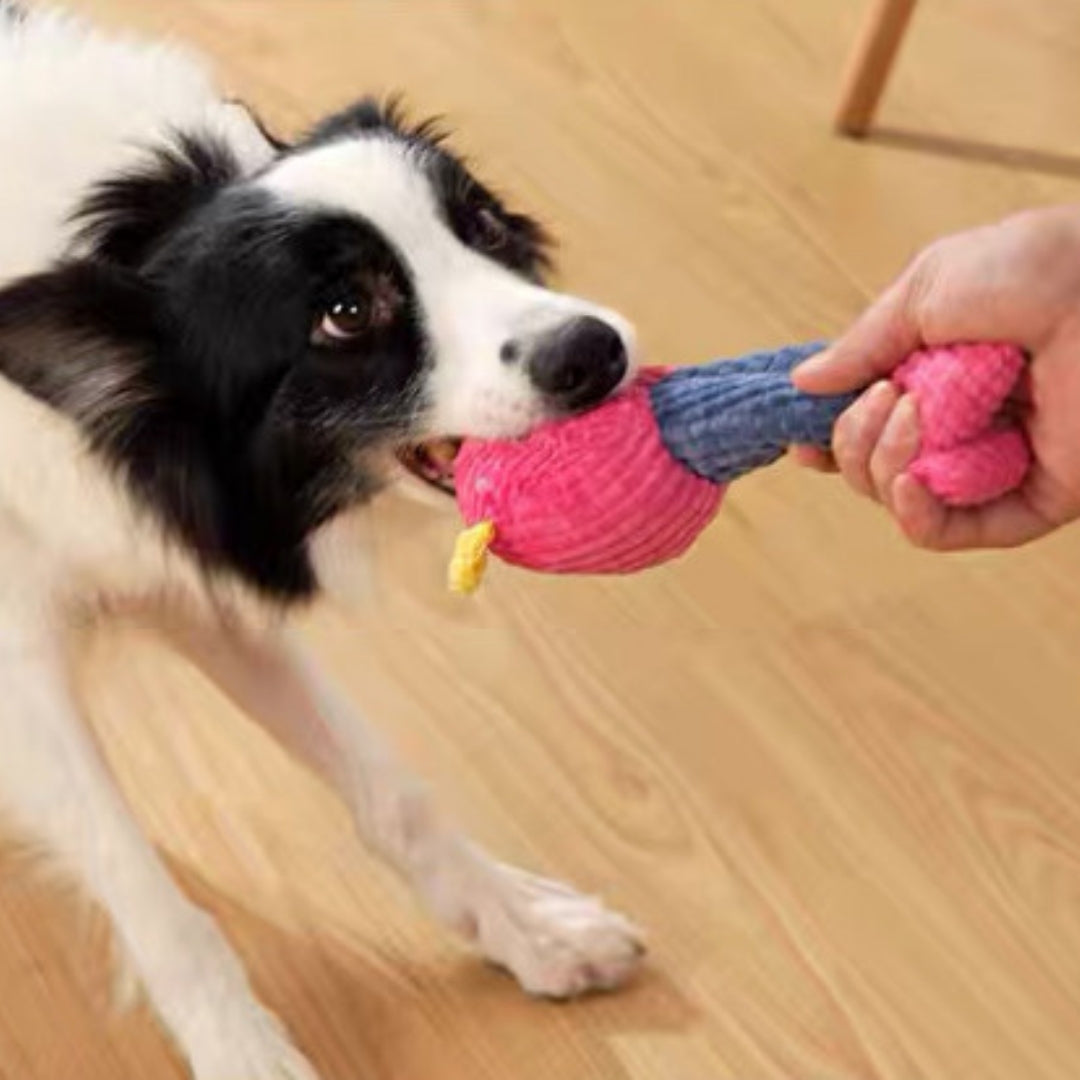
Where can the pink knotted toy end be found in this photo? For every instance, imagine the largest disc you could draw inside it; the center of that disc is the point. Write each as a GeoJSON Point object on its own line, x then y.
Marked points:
{"type": "Point", "coordinates": [969, 455]}
{"type": "Point", "coordinates": [976, 472]}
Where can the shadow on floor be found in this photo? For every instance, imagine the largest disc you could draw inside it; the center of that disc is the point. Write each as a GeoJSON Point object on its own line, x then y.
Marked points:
{"type": "Point", "coordinates": [1022, 159]}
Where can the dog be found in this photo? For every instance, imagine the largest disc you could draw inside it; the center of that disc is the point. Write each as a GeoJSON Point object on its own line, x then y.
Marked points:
{"type": "Point", "coordinates": [215, 349]}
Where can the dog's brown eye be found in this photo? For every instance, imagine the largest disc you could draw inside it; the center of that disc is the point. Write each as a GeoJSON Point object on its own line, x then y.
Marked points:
{"type": "Point", "coordinates": [345, 320]}
{"type": "Point", "coordinates": [372, 306]}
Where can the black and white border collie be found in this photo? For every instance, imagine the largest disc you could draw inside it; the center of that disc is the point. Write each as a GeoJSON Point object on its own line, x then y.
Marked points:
{"type": "Point", "coordinates": [214, 350]}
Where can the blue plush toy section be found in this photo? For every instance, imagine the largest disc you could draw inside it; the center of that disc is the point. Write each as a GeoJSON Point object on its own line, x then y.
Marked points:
{"type": "Point", "coordinates": [726, 418]}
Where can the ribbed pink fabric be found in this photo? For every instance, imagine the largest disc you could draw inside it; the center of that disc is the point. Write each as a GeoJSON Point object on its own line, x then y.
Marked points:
{"type": "Point", "coordinates": [620, 503]}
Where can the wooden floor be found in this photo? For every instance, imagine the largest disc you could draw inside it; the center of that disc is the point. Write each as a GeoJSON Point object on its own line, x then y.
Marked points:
{"type": "Point", "coordinates": [839, 782]}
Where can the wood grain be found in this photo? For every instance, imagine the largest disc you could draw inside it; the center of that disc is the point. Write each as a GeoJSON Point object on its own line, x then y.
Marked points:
{"type": "Point", "coordinates": [837, 780]}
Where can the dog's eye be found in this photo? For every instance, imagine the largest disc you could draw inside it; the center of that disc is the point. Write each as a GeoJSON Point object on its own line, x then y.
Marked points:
{"type": "Point", "coordinates": [374, 306]}
{"type": "Point", "coordinates": [345, 320]}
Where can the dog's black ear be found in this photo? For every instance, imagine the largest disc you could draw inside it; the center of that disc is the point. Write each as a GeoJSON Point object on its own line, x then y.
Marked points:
{"type": "Point", "coordinates": [126, 216]}
{"type": "Point", "coordinates": [77, 337]}
{"type": "Point", "coordinates": [87, 339]}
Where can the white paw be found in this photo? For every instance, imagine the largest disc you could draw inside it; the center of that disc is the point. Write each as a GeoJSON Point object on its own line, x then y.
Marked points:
{"type": "Point", "coordinates": [554, 941]}
{"type": "Point", "coordinates": [247, 1043]}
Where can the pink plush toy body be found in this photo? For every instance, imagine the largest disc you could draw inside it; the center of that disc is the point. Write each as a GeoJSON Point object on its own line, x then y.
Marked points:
{"type": "Point", "coordinates": [631, 484]}
{"type": "Point", "coordinates": [597, 494]}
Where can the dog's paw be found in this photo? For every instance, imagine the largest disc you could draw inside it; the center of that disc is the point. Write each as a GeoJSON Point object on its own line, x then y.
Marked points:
{"type": "Point", "coordinates": [248, 1043]}
{"type": "Point", "coordinates": [554, 941]}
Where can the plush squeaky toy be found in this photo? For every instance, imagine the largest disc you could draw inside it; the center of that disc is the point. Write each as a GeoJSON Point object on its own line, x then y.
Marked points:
{"type": "Point", "coordinates": [632, 483]}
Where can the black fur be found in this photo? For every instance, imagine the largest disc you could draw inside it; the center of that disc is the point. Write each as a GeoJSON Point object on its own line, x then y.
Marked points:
{"type": "Point", "coordinates": [240, 286]}
{"type": "Point", "coordinates": [127, 215]}
{"type": "Point", "coordinates": [240, 436]}
{"type": "Point", "coordinates": [481, 220]}
{"type": "Point", "coordinates": [370, 116]}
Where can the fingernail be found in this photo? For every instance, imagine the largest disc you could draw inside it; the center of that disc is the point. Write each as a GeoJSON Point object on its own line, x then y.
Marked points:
{"type": "Point", "coordinates": [814, 363]}
{"type": "Point", "coordinates": [900, 440]}
{"type": "Point", "coordinates": [875, 396]}
{"type": "Point", "coordinates": [907, 409]}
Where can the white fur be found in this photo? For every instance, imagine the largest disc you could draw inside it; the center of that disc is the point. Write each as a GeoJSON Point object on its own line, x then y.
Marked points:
{"type": "Point", "coordinates": [75, 105]}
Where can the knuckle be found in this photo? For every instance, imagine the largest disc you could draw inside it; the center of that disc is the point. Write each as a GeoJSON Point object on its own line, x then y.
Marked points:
{"type": "Point", "coordinates": [922, 280]}
{"type": "Point", "coordinates": [849, 438]}
{"type": "Point", "coordinates": [844, 427]}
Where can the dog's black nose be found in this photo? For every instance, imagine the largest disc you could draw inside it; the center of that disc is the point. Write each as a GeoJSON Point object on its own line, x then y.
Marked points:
{"type": "Point", "coordinates": [579, 364]}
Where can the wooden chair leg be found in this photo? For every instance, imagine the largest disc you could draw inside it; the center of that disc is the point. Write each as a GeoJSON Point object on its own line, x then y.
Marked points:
{"type": "Point", "coordinates": [870, 64]}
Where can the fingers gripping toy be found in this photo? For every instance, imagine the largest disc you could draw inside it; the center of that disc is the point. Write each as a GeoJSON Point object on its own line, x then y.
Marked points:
{"type": "Point", "coordinates": [632, 483]}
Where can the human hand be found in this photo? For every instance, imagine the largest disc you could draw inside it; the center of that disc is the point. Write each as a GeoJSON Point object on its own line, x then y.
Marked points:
{"type": "Point", "coordinates": [1015, 282]}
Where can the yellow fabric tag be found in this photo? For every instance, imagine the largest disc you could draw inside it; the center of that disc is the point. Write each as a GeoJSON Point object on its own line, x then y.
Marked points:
{"type": "Point", "coordinates": [470, 558]}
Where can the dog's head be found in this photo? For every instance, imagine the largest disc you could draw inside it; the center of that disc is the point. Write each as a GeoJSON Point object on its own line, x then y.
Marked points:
{"type": "Point", "coordinates": [294, 329]}
{"type": "Point", "coordinates": [369, 283]}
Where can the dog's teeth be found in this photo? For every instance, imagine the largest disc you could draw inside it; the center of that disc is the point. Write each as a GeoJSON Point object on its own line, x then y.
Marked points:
{"type": "Point", "coordinates": [442, 454]}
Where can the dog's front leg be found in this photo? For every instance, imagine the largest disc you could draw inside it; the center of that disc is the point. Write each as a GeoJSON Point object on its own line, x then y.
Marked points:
{"type": "Point", "coordinates": [555, 942]}
{"type": "Point", "coordinates": [58, 790]}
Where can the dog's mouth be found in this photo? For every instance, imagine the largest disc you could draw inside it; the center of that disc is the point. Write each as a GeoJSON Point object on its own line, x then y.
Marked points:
{"type": "Point", "coordinates": [432, 462]}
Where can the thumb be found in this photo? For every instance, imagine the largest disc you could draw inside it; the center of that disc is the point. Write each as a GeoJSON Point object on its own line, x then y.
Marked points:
{"type": "Point", "coordinates": [879, 340]}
